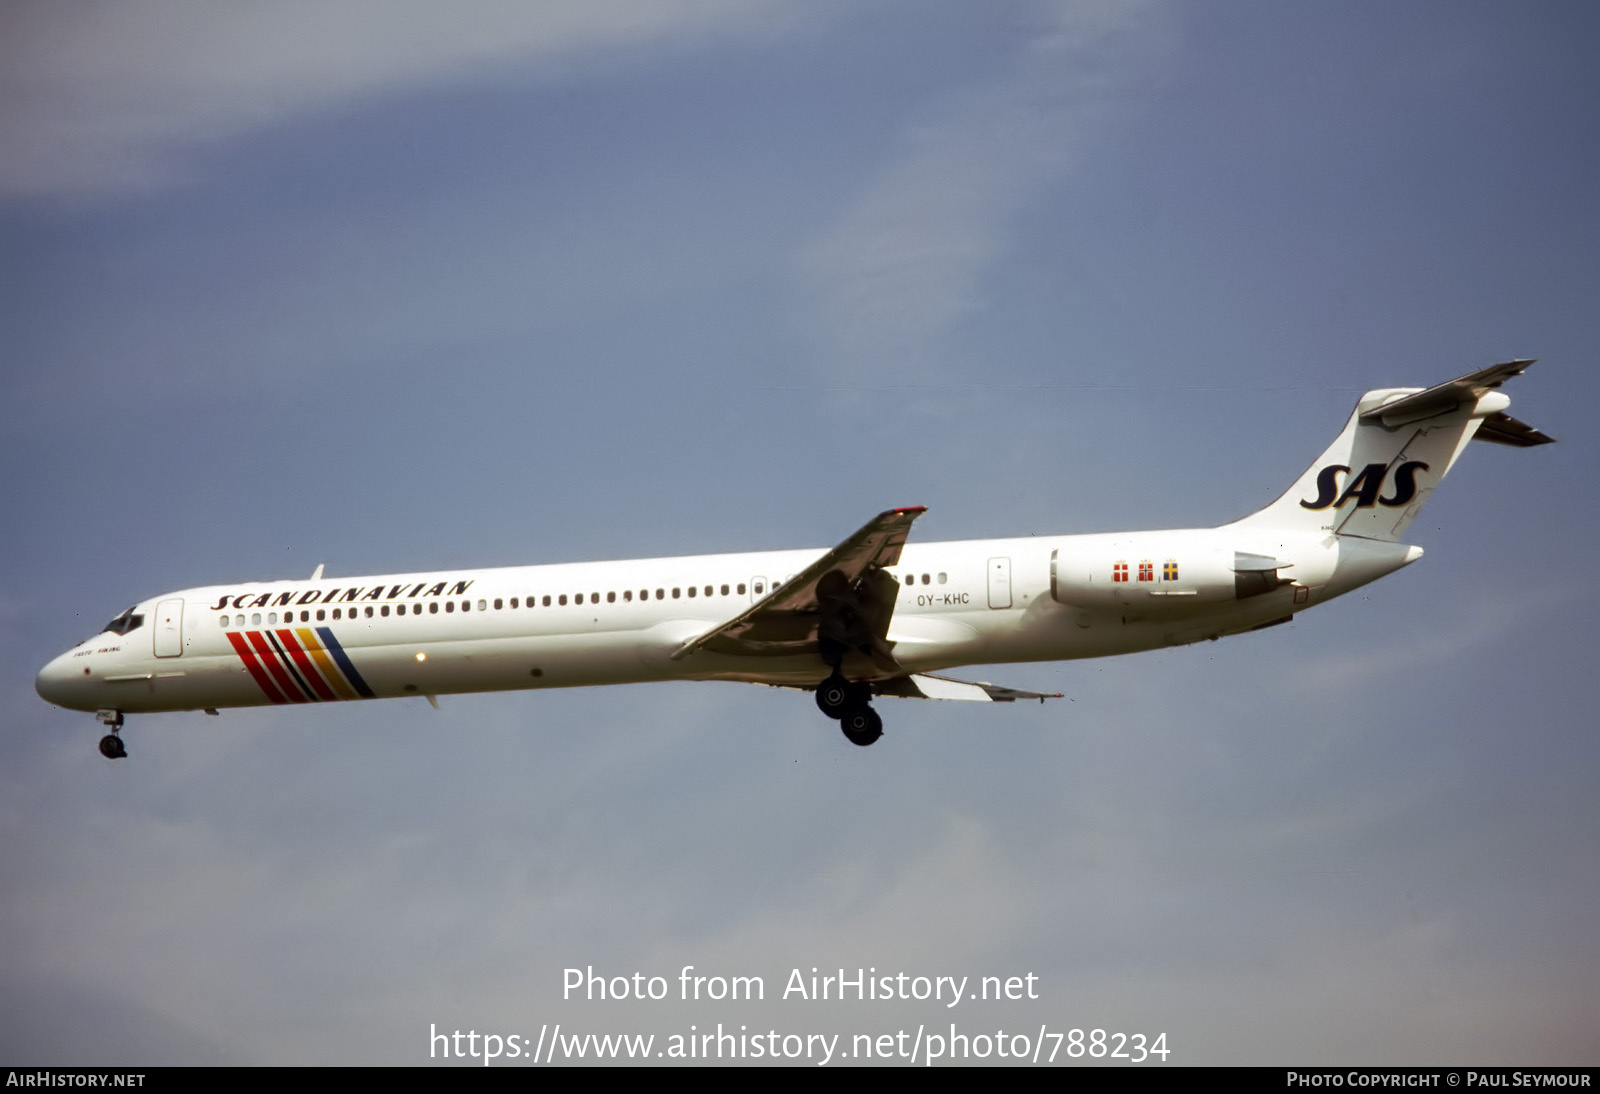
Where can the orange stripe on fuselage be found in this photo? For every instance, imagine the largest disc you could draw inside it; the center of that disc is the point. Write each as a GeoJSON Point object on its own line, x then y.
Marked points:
{"type": "Point", "coordinates": [330, 671]}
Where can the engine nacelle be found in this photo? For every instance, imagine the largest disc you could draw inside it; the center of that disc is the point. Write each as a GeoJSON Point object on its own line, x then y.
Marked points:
{"type": "Point", "coordinates": [1133, 574]}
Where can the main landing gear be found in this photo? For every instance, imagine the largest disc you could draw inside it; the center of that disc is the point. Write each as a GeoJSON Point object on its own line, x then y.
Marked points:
{"type": "Point", "coordinates": [850, 704]}
{"type": "Point", "coordinates": [111, 744]}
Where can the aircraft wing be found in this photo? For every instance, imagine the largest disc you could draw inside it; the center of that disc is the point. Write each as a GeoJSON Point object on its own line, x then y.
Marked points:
{"type": "Point", "coordinates": [925, 685]}
{"type": "Point", "coordinates": [836, 586]}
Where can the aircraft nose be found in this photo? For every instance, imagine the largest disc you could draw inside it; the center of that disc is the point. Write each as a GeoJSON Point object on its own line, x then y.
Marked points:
{"type": "Point", "coordinates": [59, 682]}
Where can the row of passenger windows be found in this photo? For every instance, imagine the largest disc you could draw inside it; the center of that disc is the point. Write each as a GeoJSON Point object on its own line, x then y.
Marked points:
{"type": "Point", "coordinates": [500, 603]}
{"type": "Point", "coordinates": [383, 610]}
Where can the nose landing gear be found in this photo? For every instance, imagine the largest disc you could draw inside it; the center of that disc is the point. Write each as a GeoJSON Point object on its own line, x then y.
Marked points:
{"type": "Point", "coordinates": [111, 746]}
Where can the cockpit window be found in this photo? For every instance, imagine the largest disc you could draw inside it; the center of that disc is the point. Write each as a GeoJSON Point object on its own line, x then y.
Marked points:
{"type": "Point", "coordinates": [127, 621]}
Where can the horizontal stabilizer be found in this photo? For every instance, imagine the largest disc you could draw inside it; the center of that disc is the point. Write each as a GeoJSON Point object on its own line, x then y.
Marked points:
{"type": "Point", "coordinates": [1502, 428]}
{"type": "Point", "coordinates": [1445, 397]}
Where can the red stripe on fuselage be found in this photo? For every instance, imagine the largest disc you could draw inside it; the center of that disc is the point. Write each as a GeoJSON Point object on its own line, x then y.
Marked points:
{"type": "Point", "coordinates": [269, 657]}
{"type": "Point", "coordinates": [242, 648]}
{"type": "Point", "coordinates": [307, 669]}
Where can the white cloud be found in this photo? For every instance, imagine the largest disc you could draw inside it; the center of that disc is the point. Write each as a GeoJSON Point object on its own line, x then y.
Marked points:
{"type": "Point", "coordinates": [103, 97]}
{"type": "Point", "coordinates": [903, 263]}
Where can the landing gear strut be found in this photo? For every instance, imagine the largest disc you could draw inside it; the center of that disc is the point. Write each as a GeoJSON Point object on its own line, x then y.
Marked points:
{"type": "Point", "coordinates": [111, 746]}
{"type": "Point", "coordinates": [852, 619]}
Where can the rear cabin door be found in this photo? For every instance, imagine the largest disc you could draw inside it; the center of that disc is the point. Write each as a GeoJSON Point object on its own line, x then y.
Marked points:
{"type": "Point", "coordinates": [999, 583]}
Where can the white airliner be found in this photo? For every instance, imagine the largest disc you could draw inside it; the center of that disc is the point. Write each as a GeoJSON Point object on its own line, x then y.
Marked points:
{"type": "Point", "coordinates": [873, 616]}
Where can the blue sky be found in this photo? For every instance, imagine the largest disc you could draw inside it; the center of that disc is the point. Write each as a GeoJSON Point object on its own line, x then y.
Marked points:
{"type": "Point", "coordinates": [395, 287]}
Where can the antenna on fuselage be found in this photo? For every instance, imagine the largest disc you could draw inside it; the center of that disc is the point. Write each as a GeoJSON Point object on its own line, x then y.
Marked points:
{"type": "Point", "coordinates": [316, 575]}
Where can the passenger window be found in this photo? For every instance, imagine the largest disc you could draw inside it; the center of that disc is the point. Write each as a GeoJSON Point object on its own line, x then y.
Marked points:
{"type": "Point", "coordinates": [911, 579]}
{"type": "Point", "coordinates": [943, 577]}
{"type": "Point", "coordinates": [321, 615]}
{"type": "Point", "coordinates": [627, 594]}
{"type": "Point", "coordinates": [563, 600]}
{"type": "Point", "coordinates": [708, 590]}
{"type": "Point", "coordinates": [758, 588]}
{"type": "Point", "coordinates": [449, 605]}
{"type": "Point", "coordinates": [369, 611]}
{"type": "Point", "coordinates": [224, 622]}
{"type": "Point", "coordinates": [926, 580]}
{"type": "Point", "coordinates": [466, 605]}
{"type": "Point", "coordinates": [676, 591]}
{"type": "Point", "coordinates": [547, 600]}
{"type": "Point", "coordinates": [238, 621]}
{"type": "Point", "coordinates": [724, 590]}
{"type": "Point", "coordinates": [661, 594]}
{"type": "Point", "coordinates": [692, 590]}
{"type": "Point", "coordinates": [594, 598]}
{"type": "Point", "coordinates": [433, 606]}
{"type": "Point", "coordinates": [336, 613]}
{"type": "Point", "coordinates": [483, 605]}
{"type": "Point", "coordinates": [611, 598]}
{"type": "Point", "coordinates": [498, 604]}
{"type": "Point", "coordinates": [272, 617]}
{"type": "Point", "coordinates": [741, 588]}
{"type": "Point", "coordinates": [385, 610]}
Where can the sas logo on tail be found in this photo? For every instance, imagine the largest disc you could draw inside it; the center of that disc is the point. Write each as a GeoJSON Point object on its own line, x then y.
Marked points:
{"type": "Point", "coordinates": [1366, 486]}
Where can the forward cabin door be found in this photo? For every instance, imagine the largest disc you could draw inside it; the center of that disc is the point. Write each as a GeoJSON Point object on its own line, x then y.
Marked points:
{"type": "Point", "coordinates": [999, 583]}
{"type": "Point", "coordinates": [169, 628]}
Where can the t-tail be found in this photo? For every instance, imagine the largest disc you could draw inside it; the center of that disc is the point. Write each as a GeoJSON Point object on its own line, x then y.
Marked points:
{"type": "Point", "coordinates": [1396, 448]}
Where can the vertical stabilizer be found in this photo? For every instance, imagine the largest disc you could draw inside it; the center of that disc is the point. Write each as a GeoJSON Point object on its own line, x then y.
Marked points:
{"type": "Point", "coordinates": [1397, 446]}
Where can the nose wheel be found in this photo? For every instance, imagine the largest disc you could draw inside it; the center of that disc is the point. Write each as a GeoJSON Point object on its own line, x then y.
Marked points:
{"type": "Point", "coordinates": [111, 746]}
